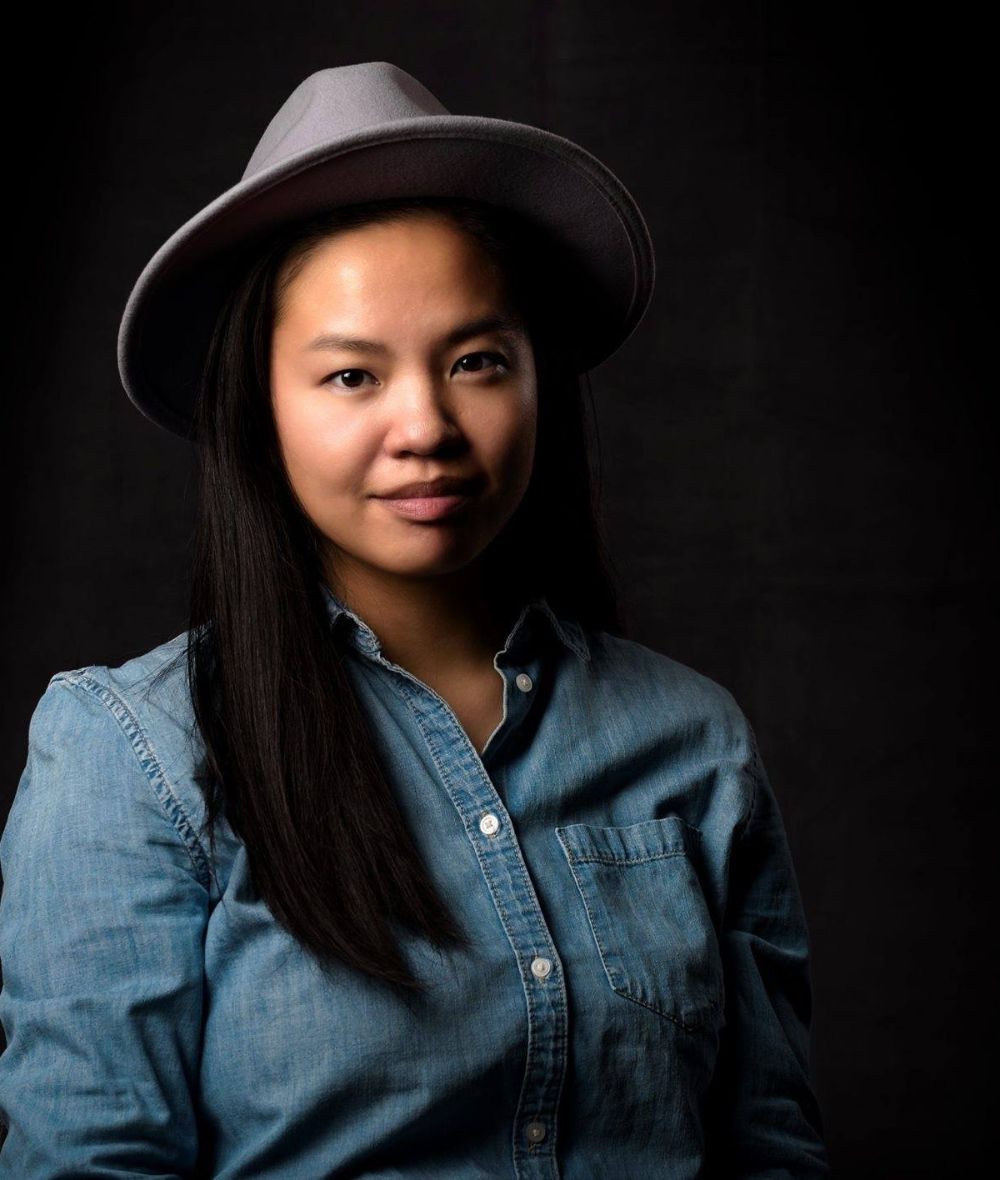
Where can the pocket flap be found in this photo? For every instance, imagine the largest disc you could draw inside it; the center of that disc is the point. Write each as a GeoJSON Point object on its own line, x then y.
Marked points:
{"type": "Point", "coordinates": [632, 844]}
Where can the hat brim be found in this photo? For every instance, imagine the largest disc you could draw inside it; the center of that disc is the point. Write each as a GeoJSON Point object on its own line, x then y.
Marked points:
{"type": "Point", "coordinates": [172, 309]}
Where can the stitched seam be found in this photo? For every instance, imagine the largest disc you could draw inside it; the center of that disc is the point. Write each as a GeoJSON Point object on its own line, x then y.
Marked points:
{"type": "Point", "coordinates": [713, 1006]}
{"type": "Point", "coordinates": [149, 763]}
{"type": "Point", "coordinates": [607, 859]}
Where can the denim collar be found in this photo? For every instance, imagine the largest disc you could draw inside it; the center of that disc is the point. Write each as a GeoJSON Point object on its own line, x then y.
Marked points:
{"type": "Point", "coordinates": [567, 629]}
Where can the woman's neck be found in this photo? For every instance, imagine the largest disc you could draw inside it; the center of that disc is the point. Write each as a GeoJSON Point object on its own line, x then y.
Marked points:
{"type": "Point", "coordinates": [451, 624]}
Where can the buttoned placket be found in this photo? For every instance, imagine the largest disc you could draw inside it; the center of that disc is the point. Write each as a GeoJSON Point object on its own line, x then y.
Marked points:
{"type": "Point", "coordinates": [491, 832]}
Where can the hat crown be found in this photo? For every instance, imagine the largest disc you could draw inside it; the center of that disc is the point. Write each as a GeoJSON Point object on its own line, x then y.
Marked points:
{"type": "Point", "coordinates": [339, 102]}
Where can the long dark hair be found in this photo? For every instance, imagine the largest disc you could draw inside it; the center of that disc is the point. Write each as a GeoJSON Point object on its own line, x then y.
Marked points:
{"type": "Point", "coordinates": [289, 755]}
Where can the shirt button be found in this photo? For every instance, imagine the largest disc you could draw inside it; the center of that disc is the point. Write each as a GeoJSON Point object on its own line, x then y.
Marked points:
{"type": "Point", "coordinates": [540, 967]}
{"type": "Point", "coordinates": [523, 681]}
{"type": "Point", "coordinates": [536, 1132]}
{"type": "Point", "coordinates": [489, 824]}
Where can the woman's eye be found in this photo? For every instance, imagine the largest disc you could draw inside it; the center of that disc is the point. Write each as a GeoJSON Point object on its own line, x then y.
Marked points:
{"type": "Point", "coordinates": [354, 378]}
{"type": "Point", "coordinates": [499, 362]}
{"type": "Point", "coordinates": [347, 373]}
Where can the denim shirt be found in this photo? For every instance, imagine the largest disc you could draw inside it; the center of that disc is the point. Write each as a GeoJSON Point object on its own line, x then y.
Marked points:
{"type": "Point", "coordinates": [636, 1001]}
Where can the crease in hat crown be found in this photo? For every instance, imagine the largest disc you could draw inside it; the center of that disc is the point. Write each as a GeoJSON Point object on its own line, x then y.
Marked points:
{"type": "Point", "coordinates": [365, 131]}
{"type": "Point", "coordinates": [337, 102]}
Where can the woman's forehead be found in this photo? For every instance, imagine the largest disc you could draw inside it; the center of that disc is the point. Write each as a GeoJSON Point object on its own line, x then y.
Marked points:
{"type": "Point", "coordinates": [357, 297]}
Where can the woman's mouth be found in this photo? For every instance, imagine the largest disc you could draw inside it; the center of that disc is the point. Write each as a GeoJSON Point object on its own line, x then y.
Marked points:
{"type": "Point", "coordinates": [425, 507]}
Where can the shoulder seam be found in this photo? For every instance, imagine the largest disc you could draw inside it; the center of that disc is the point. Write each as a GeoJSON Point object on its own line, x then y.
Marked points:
{"type": "Point", "coordinates": [150, 764]}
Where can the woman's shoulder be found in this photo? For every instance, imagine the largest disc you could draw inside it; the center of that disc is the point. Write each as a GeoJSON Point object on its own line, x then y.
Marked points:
{"type": "Point", "coordinates": [102, 735]}
{"type": "Point", "coordinates": [647, 680]}
{"type": "Point", "coordinates": [147, 693]}
{"type": "Point", "coordinates": [655, 696]}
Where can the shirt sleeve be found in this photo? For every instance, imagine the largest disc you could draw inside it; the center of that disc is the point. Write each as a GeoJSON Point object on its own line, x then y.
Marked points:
{"type": "Point", "coordinates": [762, 1118]}
{"type": "Point", "coordinates": [102, 922]}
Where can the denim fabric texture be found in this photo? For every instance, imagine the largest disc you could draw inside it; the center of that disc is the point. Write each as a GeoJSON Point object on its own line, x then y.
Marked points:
{"type": "Point", "coordinates": [636, 1003]}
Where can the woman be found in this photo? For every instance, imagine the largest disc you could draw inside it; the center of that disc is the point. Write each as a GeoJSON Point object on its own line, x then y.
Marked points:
{"type": "Point", "coordinates": [402, 860]}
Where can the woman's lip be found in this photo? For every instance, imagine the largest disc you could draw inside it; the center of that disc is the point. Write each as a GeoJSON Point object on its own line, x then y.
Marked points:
{"type": "Point", "coordinates": [425, 507]}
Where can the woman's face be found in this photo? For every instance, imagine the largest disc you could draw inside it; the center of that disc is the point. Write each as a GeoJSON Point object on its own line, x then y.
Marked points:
{"type": "Point", "coordinates": [386, 368]}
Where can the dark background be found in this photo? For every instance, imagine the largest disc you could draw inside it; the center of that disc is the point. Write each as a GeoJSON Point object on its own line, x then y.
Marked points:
{"type": "Point", "coordinates": [794, 443]}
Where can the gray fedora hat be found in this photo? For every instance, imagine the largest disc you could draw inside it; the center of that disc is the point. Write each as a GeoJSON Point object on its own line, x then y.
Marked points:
{"type": "Point", "coordinates": [365, 132]}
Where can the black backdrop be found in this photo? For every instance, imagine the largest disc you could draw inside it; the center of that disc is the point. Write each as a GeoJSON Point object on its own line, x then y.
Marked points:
{"type": "Point", "coordinates": [794, 442]}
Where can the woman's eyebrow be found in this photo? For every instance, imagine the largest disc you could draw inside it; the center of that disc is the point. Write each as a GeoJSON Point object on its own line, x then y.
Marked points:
{"type": "Point", "coordinates": [477, 327]}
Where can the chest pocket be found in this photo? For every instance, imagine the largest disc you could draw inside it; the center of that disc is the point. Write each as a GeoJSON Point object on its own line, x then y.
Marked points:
{"type": "Point", "coordinates": [649, 917]}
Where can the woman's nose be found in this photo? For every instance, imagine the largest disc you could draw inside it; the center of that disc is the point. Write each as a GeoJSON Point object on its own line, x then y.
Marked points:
{"type": "Point", "coordinates": [422, 416]}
